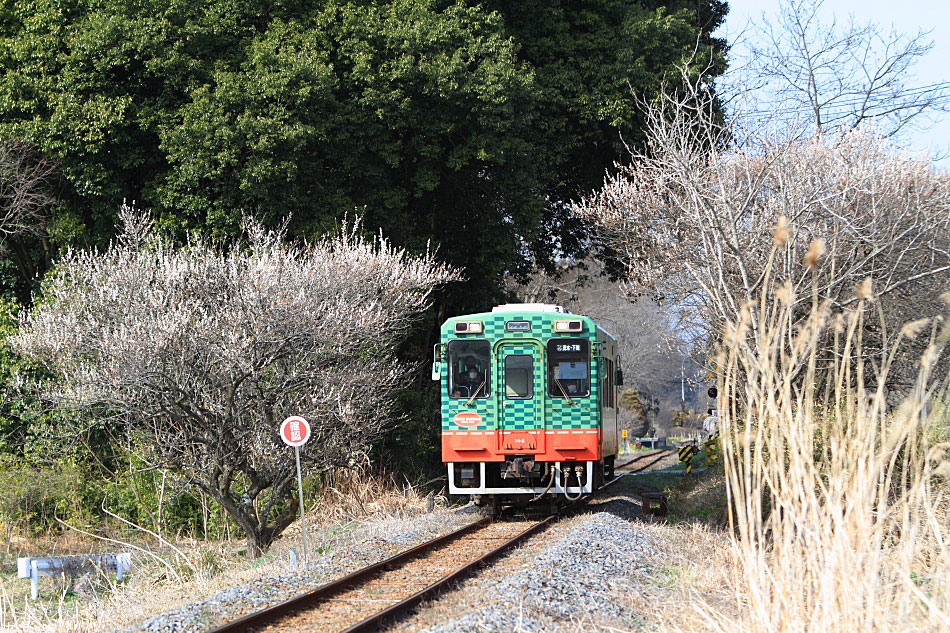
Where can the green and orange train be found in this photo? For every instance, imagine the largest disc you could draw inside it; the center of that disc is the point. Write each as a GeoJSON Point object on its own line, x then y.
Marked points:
{"type": "Point", "coordinates": [529, 403]}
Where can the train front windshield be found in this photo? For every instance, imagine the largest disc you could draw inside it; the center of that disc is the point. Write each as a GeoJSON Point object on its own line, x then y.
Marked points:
{"type": "Point", "coordinates": [469, 368]}
{"type": "Point", "coordinates": [568, 368]}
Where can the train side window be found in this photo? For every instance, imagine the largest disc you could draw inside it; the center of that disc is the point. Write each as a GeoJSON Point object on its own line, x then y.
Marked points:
{"type": "Point", "coordinates": [608, 382]}
{"type": "Point", "coordinates": [568, 368]}
{"type": "Point", "coordinates": [519, 377]}
{"type": "Point", "coordinates": [612, 381]}
{"type": "Point", "coordinates": [469, 368]}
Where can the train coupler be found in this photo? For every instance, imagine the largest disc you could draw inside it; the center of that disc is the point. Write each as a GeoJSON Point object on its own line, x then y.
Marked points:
{"type": "Point", "coordinates": [520, 467]}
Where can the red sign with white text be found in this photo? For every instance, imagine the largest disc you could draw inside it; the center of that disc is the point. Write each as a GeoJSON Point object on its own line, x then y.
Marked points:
{"type": "Point", "coordinates": [294, 431]}
{"type": "Point", "coordinates": [467, 419]}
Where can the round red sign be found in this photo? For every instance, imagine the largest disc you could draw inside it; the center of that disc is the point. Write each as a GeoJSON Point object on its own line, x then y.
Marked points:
{"type": "Point", "coordinates": [467, 419]}
{"type": "Point", "coordinates": [295, 431]}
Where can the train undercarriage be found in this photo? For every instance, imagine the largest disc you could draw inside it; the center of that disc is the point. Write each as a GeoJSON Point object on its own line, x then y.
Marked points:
{"type": "Point", "coordinates": [520, 480]}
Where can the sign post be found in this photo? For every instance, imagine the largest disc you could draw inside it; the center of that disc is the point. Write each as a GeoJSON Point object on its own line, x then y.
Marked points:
{"type": "Point", "coordinates": [295, 431]}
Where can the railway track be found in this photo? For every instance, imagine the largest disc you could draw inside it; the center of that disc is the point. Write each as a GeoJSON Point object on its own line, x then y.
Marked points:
{"type": "Point", "coordinates": [365, 599]}
{"type": "Point", "coordinates": [659, 455]}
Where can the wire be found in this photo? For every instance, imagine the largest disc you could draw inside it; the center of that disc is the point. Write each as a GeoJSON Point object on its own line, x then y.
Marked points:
{"type": "Point", "coordinates": [841, 106]}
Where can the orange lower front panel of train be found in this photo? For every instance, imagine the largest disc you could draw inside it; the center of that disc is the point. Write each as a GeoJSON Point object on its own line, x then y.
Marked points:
{"type": "Point", "coordinates": [492, 446]}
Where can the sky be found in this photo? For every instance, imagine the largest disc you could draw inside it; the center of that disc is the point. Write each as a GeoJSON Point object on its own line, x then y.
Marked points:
{"type": "Point", "coordinates": [905, 16]}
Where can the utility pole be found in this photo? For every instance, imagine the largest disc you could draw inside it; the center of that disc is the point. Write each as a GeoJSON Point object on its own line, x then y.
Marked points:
{"type": "Point", "coordinates": [683, 382]}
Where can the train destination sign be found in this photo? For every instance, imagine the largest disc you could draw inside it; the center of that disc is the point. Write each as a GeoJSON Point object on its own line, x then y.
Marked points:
{"type": "Point", "coordinates": [295, 431]}
{"type": "Point", "coordinates": [568, 347]}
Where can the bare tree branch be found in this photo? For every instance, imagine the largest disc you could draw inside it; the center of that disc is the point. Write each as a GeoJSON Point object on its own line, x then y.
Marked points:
{"type": "Point", "coordinates": [837, 77]}
{"type": "Point", "coordinates": [25, 191]}
{"type": "Point", "coordinates": [695, 215]}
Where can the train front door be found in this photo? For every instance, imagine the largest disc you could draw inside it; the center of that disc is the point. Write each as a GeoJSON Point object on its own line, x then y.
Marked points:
{"type": "Point", "coordinates": [521, 394]}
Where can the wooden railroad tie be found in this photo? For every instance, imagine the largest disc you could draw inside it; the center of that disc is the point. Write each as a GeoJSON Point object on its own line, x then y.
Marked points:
{"type": "Point", "coordinates": [654, 503]}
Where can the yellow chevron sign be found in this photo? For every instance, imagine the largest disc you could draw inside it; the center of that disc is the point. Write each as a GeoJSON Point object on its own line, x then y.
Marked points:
{"type": "Point", "coordinates": [713, 448]}
{"type": "Point", "coordinates": [686, 452]}
{"type": "Point", "coordinates": [686, 455]}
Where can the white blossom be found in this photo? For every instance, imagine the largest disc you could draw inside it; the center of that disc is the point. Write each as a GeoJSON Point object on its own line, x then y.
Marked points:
{"type": "Point", "coordinates": [205, 351]}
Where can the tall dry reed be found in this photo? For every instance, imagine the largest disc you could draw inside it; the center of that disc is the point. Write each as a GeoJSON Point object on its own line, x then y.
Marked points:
{"type": "Point", "coordinates": [839, 501]}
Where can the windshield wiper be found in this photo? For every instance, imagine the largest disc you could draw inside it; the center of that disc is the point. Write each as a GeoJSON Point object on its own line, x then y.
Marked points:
{"type": "Point", "coordinates": [477, 389]}
{"type": "Point", "coordinates": [563, 392]}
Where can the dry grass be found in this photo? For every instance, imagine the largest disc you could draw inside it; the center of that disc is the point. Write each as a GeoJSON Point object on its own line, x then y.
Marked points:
{"type": "Point", "coordinates": [692, 563]}
{"type": "Point", "coordinates": [841, 501]}
{"type": "Point", "coordinates": [840, 518]}
{"type": "Point", "coordinates": [356, 508]}
{"type": "Point", "coordinates": [356, 494]}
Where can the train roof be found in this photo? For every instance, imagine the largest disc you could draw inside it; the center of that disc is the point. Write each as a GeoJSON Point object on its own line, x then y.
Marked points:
{"type": "Point", "coordinates": [540, 313]}
{"type": "Point", "coordinates": [533, 307]}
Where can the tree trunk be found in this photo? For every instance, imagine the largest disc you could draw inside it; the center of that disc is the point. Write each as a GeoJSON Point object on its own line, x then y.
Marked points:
{"type": "Point", "coordinates": [247, 522]}
{"type": "Point", "coordinates": [254, 546]}
{"type": "Point", "coordinates": [259, 534]}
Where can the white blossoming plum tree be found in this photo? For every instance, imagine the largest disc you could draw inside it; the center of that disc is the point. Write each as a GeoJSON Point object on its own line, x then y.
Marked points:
{"type": "Point", "coordinates": [201, 351]}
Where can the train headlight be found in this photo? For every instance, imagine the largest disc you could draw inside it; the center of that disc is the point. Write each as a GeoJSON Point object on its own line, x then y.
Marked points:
{"type": "Point", "coordinates": [568, 326]}
{"type": "Point", "coordinates": [468, 327]}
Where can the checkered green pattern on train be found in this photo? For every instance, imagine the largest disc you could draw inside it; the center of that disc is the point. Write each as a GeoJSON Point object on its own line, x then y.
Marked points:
{"type": "Point", "coordinates": [493, 324]}
{"type": "Point", "coordinates": [482, 406]}
{"type": "Point", "coordinates": [583, 414]}
{"type": "Point", "coordinates": [558, 414]}
{"type": "Point", "coordinates": [518, 415]}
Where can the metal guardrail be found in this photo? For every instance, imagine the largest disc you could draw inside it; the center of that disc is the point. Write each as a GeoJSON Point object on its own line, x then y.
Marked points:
{"type": "Point", "coordinates": [33, 567]}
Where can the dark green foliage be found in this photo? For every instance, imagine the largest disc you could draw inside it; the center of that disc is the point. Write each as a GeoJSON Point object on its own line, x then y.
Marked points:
{"type": "Point", "coordinates": [461, 126]}
{"type": "Point", "coordinates": [32, 495]}
{"type": "Point", "coordinates": [414, 447]}
{"type": "Point", "coordinates": [48, 472]}
{"type": "Point", "coordinates": [461, 123]}
{"type": "Point", "coordinates": [18, 406]}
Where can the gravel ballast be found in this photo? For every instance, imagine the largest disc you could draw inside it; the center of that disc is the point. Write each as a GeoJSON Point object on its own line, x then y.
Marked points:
{"type": "Point", "coordinates": [574, 576]}
{"type": "Point", "coordinates": [567, 577]}
{"type": "Point", "coordinates": [369, 543]}
{"type": "Point", "coordinates": [569, 580]}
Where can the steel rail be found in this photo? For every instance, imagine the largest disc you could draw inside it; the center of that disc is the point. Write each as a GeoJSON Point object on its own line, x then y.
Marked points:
{"type": "Point", "coordinates": [304, 600]}
{"type": "Point", "coordinates": [371, 623]}
{"type": "Point", "coordinates": [664, 452]}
